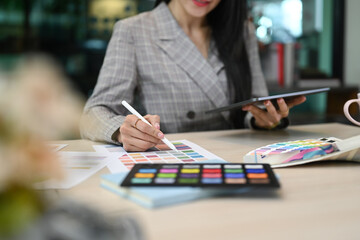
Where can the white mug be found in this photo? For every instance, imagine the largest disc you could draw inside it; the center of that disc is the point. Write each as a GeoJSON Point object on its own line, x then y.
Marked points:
{"type": "Point", "coordinates": [346, 109]}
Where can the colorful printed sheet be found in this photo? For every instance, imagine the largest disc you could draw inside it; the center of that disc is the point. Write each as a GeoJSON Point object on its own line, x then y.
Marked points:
{"type": "Point", "coordinates": [297, 152]}
{"type": "Point", "coordinates": [188, 152]}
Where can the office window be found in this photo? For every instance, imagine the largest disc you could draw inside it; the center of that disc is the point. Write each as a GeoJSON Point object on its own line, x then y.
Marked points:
{"type": "Point", "coordinates": [75, 32]}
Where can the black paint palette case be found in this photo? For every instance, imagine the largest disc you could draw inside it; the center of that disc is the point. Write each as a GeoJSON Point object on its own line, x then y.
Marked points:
{"type": "Point", "coordinates": [201, 175]}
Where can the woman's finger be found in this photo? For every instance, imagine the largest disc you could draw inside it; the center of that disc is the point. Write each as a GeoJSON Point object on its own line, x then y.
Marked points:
{"type": "Point", "coordinates": [272, 113]}
{"type": "Point", "coordinates": [138, 145]}
{"type": "Point", "coordinates": [283, 108]}
{"type": "Point", "coordinates": [153, 120]}
{"type": "Point", "coordinates": [261, 117]}
{"type": "Point", "coordinates": [129, 131]}
{"type": "Point", "coordinates": [149, 130]}
{"type": "Point", "coordinates": [136, 135]}
{"type": "Point", "coordinates": [296, 101]}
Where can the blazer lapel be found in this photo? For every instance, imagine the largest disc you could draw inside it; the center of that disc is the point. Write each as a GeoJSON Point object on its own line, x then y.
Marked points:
{"type": "Point", "coordinates": [173, 40]}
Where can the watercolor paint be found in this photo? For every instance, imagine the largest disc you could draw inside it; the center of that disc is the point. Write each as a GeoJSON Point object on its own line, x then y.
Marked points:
{"type": "Point", "coordinates": [201, 175]}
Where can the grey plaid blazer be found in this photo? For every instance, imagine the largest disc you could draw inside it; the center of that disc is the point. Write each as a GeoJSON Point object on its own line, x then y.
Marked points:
{"type": "Point", "coordinates": [151, 63]}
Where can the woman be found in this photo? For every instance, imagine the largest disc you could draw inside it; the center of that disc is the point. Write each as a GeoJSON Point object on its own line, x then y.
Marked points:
{"type": "Point", "coordinates": [177, 61]}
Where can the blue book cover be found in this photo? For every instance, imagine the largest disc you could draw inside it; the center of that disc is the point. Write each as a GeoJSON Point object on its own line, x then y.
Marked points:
{"type": "Point", "coordinates": [153, 197]}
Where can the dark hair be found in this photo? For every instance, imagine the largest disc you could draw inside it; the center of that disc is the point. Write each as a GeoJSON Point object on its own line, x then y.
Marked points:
{"type": "Point", "coordinates": [227, 22]}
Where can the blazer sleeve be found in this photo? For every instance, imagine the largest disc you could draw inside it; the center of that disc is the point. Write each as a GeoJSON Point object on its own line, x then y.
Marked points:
{"type": "Point", "coordinates": [103, 113]}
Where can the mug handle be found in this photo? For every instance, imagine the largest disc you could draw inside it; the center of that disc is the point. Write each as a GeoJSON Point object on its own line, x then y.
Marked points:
{"type": "Point", "coordinates": [346, 110]}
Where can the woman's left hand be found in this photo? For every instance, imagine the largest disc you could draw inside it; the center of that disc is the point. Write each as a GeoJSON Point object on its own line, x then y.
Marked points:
{"type": "Point", "coordinates": [271, 117]}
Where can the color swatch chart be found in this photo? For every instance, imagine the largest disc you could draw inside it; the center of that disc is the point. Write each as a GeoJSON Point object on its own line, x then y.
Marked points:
{"type": "Point", "coordinates": [187, 152]}
{"type": "Point", "coordinates": [284, 152]}
{"type": "Point", "coordinates": [201, 175]}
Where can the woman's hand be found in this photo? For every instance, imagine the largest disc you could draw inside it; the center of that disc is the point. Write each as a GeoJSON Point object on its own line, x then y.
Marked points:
{"type": "Point", "coordinates": [271, 117]}
{"type": "Point", "coordinates": [135, 135]}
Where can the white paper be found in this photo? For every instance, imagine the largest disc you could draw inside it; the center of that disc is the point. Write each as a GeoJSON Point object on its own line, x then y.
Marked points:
{"type": "Point", "coordinates": [78, 166]}
{"type": "Point", "coordinates": [109, 149]}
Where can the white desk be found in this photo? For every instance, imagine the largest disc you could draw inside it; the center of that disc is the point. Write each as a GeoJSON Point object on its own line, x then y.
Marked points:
{"type": "Point", "coordinates": [315, 201]}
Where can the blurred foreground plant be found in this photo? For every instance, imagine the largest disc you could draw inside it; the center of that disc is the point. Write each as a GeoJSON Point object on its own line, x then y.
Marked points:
{"type": "Point", "coordinates": [36, 105]}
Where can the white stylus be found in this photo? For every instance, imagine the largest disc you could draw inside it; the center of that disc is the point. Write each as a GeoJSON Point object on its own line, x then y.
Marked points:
{"type": "Point", "coordinates": [133, 111]}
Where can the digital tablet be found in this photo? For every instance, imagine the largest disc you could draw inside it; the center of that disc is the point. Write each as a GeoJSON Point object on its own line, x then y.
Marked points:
{"type": "Point", "coordinates": [258, 100]}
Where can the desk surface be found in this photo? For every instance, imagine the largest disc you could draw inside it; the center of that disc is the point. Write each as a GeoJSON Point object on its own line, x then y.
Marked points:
{"type": "Point", "coordinates": [318, 200]}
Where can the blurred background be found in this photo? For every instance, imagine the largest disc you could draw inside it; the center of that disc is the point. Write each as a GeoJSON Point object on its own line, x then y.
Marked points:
{"type": "Point", "coordinates": [303, 44]}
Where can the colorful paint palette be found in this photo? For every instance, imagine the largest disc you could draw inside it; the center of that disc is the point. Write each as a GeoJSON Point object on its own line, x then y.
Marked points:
{"type": "Point", "coordinates": [184, 154]}
{"type": "Point", "coordinates": [201, 175]}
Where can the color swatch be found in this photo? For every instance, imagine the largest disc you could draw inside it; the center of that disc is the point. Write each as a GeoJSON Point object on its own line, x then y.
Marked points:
{"type": "Point", "coordinates": [185, 154]}
{"type": "Point", "coordinates": [201, 175]}
{"type": "Point", "coordinates": [285, 152]}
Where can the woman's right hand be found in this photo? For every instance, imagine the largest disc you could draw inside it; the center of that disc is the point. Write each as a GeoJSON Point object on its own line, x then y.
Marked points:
{"type": "Point", "coordinates": [135, 135]}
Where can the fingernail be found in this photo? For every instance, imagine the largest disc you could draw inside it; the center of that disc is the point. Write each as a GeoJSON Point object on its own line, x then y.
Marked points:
{"type": "Point", "coordinates": [267, 103]}
{"type": "Point", "coordinates": [280, 100]}
{"type": "Point", "coordinates": [157, 125]}
{"type": "Point", "coordinates": [160, 135]}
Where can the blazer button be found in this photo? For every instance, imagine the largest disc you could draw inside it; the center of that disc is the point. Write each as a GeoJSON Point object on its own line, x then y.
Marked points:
{"type": "Point", "coordinates": [190, 115]}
